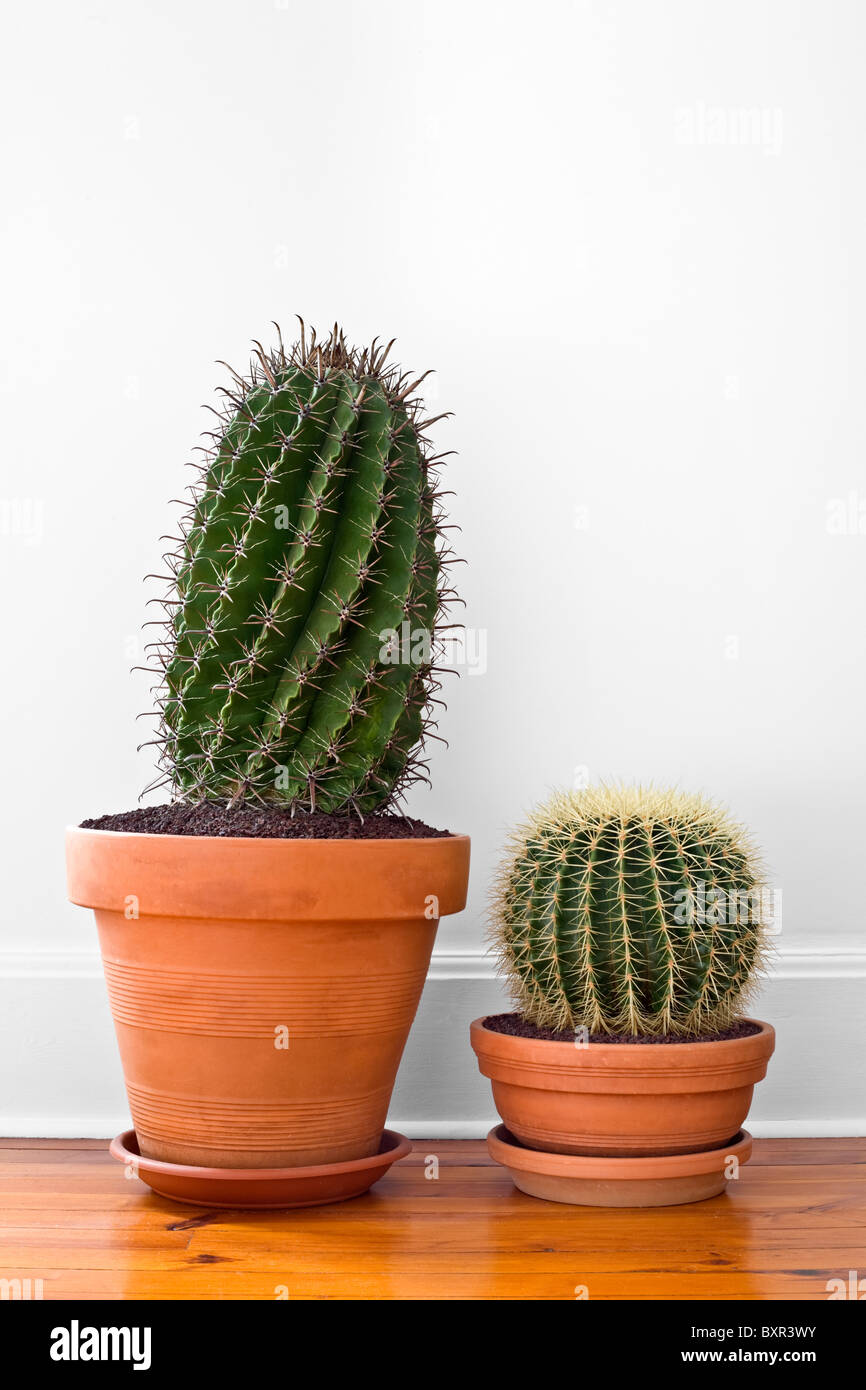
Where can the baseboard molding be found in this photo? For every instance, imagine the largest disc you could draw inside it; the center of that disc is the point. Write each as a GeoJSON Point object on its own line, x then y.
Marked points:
{"type": "Point", "coordinates": [106, 1126]}
{"type": "Point", "coordinates": [820, 957]}
{"type": "Point", "coordinates": [60, 1075]}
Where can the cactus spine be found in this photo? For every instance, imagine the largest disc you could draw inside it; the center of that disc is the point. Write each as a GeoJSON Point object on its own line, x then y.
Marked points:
{"type": "Point", "coordinates": [313, 534]}
{"type": "Point", "coordinates": [626, 910]}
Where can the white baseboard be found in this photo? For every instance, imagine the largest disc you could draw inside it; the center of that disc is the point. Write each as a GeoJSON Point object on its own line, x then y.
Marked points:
{"type": "Point", "coordinates": [60, 1075]}
{"type": "Point", "coordinates": [106, 1126]}
{"type": "Point", "coordinates": [821, 957]}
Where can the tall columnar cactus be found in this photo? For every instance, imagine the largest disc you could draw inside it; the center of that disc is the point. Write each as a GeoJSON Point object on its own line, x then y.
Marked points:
{"type": "Point", "coordinates": [298, 661]}
{"type": "Point", "coordinates": [626, 910]}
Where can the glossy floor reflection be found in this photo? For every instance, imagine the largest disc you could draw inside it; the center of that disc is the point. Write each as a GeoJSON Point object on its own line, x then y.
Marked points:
{"type": "Point", "coordinates": [446, 1223]}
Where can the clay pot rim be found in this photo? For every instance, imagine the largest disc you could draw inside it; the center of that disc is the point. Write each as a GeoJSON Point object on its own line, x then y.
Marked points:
{"type": "Point", "coordinates": [557, 1052]}
{"type": "Point", "coordinates": [246, 878]}
{"type": "Point", "coordinates": [505, 1149]}
{"type": "Point", "coordinates": [124, 1147]}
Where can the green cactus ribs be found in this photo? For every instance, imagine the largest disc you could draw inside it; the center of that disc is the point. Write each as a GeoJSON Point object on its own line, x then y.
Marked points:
{"type": "Point", "coordinates": [315, 531]}
{"type": "Point", "coordinates": [630, 910]}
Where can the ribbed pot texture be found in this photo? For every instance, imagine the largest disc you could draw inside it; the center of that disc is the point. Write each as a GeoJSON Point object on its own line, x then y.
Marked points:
{"type": "Point", "coordinates": [263, 990]}
{"type": "Point", "coordinates": [622, 1100]}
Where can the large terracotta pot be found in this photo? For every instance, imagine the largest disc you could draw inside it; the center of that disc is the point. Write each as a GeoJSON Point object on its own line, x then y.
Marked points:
{"type": "Point", "coordinates": [626, 1100]}
{"type": "Point", "coordinates": [263, 990]}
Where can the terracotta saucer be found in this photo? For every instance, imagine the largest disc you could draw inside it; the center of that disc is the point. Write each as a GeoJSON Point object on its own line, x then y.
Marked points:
{"type": "Point", "coordinates": [264, 1188]}
{"type": "Point", "coordinates": [588, 1181]}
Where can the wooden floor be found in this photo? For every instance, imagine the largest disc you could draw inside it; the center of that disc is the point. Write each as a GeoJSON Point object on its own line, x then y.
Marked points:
{"type": "Point", "coordinates": [795, 1219]}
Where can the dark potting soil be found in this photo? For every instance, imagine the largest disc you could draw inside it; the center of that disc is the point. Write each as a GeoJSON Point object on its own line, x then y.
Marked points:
{"type": "Point", "coordinates": [516, 1026]}
{"type": "Point", "coordinates": [262, 823]}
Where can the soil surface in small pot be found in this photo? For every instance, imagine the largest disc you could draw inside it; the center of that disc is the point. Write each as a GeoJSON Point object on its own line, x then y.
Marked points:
{"type": "Point", "coordinates": [262, 823]}
{"type": "Point", "coordinates": [516, 1026]}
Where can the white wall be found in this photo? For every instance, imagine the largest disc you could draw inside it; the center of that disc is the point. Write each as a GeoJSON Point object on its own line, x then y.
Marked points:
{"type": "Point", "coordinates": [629, 237]}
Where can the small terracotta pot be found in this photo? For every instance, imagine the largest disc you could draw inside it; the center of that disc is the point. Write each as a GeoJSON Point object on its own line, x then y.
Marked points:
{"type": "Point", "coordinates": [263, 990]}
{"type": "Point", "coordinates": [627, 1100]}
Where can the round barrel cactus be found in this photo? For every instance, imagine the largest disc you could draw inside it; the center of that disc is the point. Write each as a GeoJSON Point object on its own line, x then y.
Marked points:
{"type": "Point", "coordinates": [299, 649]}
{"type": "Point", "coordinates": [626, 910]}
